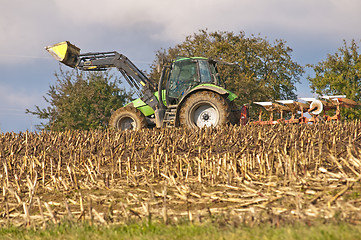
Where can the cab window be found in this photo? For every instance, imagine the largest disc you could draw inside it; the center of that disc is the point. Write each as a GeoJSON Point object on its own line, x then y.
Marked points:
{"type": "Point", "coordinates": [184, 76]}
{"type": "Point", "coordinates": [204, 71]}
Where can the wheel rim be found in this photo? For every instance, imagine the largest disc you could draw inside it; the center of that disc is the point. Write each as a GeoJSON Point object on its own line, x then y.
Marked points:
{"type": "Point", "coordinates": [204, 115]}
{"type": "Point", "coordinates": [126, 123]}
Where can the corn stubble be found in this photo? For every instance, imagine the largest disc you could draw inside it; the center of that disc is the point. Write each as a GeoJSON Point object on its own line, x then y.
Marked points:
{"type": "Point", "coordinates": [245, 174]}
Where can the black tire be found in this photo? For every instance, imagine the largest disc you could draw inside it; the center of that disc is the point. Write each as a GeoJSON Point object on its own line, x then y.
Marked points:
{"type": "Point", "coordinates": [127, 118]}
{"type": "Point", "coordinates": [235, 114]}
{"type": "Point", "coordinates": [205, 109]}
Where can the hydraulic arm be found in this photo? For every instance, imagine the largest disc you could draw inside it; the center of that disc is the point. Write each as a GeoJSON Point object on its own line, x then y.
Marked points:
{"type": "Point", "coordinates": [104, 60]}
{"type": "Point", "coordinates": [68, 54]}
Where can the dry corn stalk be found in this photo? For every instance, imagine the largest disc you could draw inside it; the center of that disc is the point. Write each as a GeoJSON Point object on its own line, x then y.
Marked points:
{"type": "Point", "coordinates": [257, 173]}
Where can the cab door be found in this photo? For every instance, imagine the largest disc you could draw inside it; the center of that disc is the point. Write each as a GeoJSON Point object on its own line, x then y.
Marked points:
{"type": "Point", "coordinates": [184, 75]}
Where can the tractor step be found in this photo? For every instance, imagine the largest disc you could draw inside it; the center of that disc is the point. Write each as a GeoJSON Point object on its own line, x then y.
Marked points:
{"type": "Point", "coordinates": [169, 117]}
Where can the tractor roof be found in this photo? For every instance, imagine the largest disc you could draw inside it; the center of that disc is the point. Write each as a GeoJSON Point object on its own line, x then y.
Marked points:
{"type": "Point", "coordinates": [179, 58]}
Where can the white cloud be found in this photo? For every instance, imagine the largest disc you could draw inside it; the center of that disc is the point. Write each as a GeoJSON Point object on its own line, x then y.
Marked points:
{"type": "Point", "coordinates": [180, 18]}
{"type": "Point", "coordinates": [23, 27]}
{"type": "Point", "coordinates": [26, 26]}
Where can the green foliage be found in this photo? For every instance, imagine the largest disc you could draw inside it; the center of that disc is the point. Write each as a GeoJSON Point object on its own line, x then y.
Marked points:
{"type": "Point", "coordinates": [264, 72]}
{"type": "Point", "coordinates": [185, 231]}
{"type": "Point", "coordinates": [81, 101]}
{"type": "Point", "coordinates": [340, 74]}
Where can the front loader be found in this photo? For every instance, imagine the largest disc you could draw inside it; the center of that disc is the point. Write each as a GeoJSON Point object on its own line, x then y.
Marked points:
{"type": "Point", "coordinates": [189, 93]}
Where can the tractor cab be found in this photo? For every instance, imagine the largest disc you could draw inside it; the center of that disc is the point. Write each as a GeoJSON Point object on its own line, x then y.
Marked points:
{"type": "Point", "coordinates": [186, 73]}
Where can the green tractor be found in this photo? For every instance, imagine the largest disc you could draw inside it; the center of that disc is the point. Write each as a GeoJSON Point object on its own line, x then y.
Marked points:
{"type": "Point", "coordinates": [189, 92]}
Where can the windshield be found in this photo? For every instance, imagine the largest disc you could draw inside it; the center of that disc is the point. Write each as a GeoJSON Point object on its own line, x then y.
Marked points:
{"type": "Point", "coordinates": [183, 76]}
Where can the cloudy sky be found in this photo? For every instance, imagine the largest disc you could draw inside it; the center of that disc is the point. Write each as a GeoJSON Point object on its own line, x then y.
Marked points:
{"type": "Point", "coordinates": [138, 28]}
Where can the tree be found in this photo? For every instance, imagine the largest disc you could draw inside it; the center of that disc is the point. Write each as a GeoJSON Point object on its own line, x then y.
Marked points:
{"type": "Point", "coordinates": [265, 71]}
{"type": "Point", "coordinates": [81, 101]}
{"type": "Point", "coordinates": [340, 74]}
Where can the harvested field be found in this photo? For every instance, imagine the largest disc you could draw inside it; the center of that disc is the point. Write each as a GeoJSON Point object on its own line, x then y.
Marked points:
{"type": "Point", "coordinates": [243, 174]}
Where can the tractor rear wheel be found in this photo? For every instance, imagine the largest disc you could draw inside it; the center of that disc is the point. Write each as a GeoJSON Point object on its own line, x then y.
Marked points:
{"type": "Point", "coordinates": [127, 118]}
{"type": "Point", "coordinates": [205, 109]}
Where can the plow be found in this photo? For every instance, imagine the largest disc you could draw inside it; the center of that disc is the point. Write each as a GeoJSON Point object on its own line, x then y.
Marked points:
{"type": "Point", "coordinates": [314, 107]}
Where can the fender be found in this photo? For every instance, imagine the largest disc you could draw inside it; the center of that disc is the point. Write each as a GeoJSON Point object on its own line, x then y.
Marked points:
{"type": "Point", "coordinates": [210, 87]}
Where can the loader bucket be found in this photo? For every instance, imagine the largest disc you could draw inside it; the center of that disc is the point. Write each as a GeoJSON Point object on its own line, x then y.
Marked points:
{"type": "Point", "coordinates": [65, 52]}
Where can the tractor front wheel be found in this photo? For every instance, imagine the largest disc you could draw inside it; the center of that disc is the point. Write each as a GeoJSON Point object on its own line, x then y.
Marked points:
{"type": "Point", "coordinates": [205, 109]}
{"type": "Point", "coordinates": [127, 118]}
